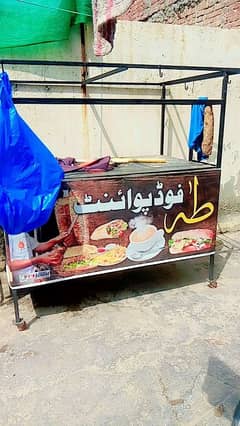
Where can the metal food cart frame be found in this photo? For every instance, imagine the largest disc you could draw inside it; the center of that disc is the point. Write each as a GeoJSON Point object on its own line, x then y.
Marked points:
{"type": "Point", "coordinates": [206, 73]}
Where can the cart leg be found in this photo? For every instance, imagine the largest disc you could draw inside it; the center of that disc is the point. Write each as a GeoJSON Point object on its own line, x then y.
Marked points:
{"type": "Point", "coordinates": [20, 323]}
{"type": "Point", "coordinates": [212, 281]}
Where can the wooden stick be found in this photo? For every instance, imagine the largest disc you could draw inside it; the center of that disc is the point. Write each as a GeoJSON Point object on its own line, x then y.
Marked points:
{"type": "Point", "coordinates": [122, 160]}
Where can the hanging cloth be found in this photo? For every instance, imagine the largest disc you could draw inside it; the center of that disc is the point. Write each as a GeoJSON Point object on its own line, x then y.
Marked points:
{"type": "Point", "coordinates": [105, 13]}
{"type": "Point", "coordinates": [30, 177]}
{"type": "Point", "coordinates": [195, 136]}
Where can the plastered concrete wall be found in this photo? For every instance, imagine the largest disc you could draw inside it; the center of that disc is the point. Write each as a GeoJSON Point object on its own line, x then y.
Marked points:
{"type": "Point", "coordinates": [179, 45]}
{"type": "Point", "coordinates": [91, 131]}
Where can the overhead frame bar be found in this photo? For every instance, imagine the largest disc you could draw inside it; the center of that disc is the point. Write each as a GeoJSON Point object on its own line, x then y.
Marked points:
{"type": "Point", "coordinates": [111, 101]}
{"type": "Point", "coordinates": [210, 73]}
{"type": "Point", "coordinates": [105, 74]}
{"type": "Point", "coordinates": [199, 77]}
{"type": "Point", "coordinates": [81, 83]}
{"type": "Point", "coordinates": [117, 65]}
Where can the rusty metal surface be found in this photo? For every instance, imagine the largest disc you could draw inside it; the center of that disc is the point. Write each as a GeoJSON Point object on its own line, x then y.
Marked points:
{"type": "Point", "coordinates": [172, 165]}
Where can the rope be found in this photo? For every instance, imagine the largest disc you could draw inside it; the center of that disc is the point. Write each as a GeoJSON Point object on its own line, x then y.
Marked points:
{"type": "Point", "coordinates": [54, 8]}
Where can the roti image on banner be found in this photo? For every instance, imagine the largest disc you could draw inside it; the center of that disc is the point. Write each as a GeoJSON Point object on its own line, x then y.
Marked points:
{"type": "Point", "coordinates": [113, 229]}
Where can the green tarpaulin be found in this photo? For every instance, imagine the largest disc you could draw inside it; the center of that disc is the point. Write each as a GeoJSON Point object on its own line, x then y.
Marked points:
{"type": "Point", "coordinates": [29, 22]}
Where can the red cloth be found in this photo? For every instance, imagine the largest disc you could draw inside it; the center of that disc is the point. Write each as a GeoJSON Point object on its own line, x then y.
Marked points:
{"type": "Point", "coordinates": [69, 164]}
{"type": "Point", "coordinates": [105, 13]}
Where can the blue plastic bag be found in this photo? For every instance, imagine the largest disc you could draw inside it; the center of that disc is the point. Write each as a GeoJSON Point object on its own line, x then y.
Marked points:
{"type": "Point", "coordinates": [30, 177]}
{"type": "Point", "coordinates": [195, 136]}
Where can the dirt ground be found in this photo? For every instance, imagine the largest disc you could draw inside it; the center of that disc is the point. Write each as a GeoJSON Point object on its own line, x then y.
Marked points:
{"type": "Point", "coordinates": [153, 347]}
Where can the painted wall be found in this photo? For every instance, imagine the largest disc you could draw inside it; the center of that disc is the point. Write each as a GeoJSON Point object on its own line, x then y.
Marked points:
{"type": "Point", "coordinates": [88, 132]}
{"type": "Point", "coordinates": [180, 45]}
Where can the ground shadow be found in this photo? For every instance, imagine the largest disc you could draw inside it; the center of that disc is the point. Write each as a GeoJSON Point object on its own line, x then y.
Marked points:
{"type": "Point", "coordinates": [222, 388]}
{"type": "Point", "coordinates": [81, 293]}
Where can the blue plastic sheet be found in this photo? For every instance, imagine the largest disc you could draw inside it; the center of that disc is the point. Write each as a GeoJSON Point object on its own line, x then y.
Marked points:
{"type": "Point", "coordinates": [30, 177]}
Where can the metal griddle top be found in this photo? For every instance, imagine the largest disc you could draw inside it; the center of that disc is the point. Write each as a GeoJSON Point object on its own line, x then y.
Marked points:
{"type": "Point", "coordinates": [172, 165]}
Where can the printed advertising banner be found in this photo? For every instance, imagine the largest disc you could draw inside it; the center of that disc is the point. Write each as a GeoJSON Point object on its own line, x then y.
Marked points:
{"type": "Point", "coordinates": [120, 223]}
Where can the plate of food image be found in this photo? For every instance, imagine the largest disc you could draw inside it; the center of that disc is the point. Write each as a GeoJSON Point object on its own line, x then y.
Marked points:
{"type": "Point", "coordinates": [112, 256]}
{"type": "Point", "coordinates": [78, 263]}
{"type": "Point", "coordinates": [193, 240]}
{"type": "Point", "coordinates": [113, 229]}
{"type": "Point", "coordinates": [80, 250]}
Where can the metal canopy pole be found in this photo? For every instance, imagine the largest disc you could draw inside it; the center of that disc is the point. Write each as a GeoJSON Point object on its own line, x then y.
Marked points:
{"type": "Point", "coordinates": [162, 121]}
{"type": "Point", "coordinates": [222, 120]}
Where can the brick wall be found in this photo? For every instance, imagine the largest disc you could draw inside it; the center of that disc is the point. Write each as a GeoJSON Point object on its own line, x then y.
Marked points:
{"type": "Point", "coordinates": [216, 13]}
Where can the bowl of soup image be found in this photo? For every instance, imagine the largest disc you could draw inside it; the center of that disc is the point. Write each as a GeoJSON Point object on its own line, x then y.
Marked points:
{"type": "Point", "coordinates": [144, 238]}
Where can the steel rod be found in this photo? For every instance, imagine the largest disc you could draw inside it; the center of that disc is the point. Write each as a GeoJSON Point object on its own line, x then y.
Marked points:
{"type": "Point", "coordinates": [190, 155]}
{"type": "Point", "coordinates": [111, 101]}
{"type": "Point", "coordinates": [105, 74]}
{"type": "Point", "coordinates": [72, 82]}
{"type": "Point", "coordinates": [16, 307]}
{"type": "Point", "coordinates": [116, 65]}
{"type": "Point", "coordinates": [211, 267]}
{"type": "Point", "coordinates": [162, 121]}
{"type": "Point", "coordinates": [222, 120]}
{"type": "Point", "coordinates": [193, 78]}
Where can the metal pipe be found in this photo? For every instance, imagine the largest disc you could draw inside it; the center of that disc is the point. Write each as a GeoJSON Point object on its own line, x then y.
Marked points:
{"type": "Point", "coordinates": [190, 155]}
{"type": "Point", "coordinates": [16, 306]}
{"type": "Point", "coordinates": [105, 74]}
{"type": "Point", "coordinates": [222, 120]}
{"type": "Point", "coordinates": [77, 83]}
{"type": "Point", "coordinates": [211, 267]}
{"type": "Point", "coordinates": [162, 121]}
{"type": "Point", "coordinates": [116, 65]}
{"type": "Point", "coordinates": [193, 78]}
{"type": "Point", "coordinates": [110, 101]}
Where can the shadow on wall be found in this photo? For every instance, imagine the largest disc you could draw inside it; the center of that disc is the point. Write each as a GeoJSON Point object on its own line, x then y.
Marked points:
{"type": "Point", "coordinates": [104, 133]}
{"type": "Point", "coordinates": [230, 192]}
{"type": "Point", "coordinates": [222, 388]}
{"type": "Point", "coordinates": [173, 133]}
{"type": "Point", "coordinates": [174, 125]}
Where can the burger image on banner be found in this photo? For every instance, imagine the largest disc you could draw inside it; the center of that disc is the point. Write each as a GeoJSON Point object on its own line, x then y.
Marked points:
{"type": "Point", "coordinates": [191, 241]}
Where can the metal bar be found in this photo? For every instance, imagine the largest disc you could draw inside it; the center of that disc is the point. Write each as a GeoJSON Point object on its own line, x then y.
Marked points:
{"type": "Point", "coordinates": [109, 101]}
{"type": "Point", "coordinates": [72, 82]}
{"type": "Point", "coordinates": [16, 307]}
{"type": "Point", "coordinates": [222, 120]}
{"type": "Point", "coordinates": [204, 162]}
{"type": "Point", "coordinates": [125, 83]}
{"type": "Point", "coordinates": [46, 82]}
{"type": "Point", "coordinates": [105, 74]}
{"type": "Point", "coordinates": [211, 267]}
{"type": "Point", "coordinates": [193, 78]}
{"type": "Point", "coordinates": [162, 121]}
{"type": "Point", "coordinates": [116, 65]}
{"type": "Point", "coordinates": [190, 155]}
{"type": "Point", "coordinates": [116, 269]}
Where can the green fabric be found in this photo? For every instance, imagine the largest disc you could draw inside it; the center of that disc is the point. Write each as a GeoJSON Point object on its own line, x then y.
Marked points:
{"type": "Point", "coordinates": [25, 24]}
{"type": "Point", "coordinates": [85, 8]}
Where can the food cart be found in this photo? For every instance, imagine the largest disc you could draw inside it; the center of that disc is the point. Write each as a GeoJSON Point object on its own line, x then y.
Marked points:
{"type": "Point", "coordinates": [141, 212]}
